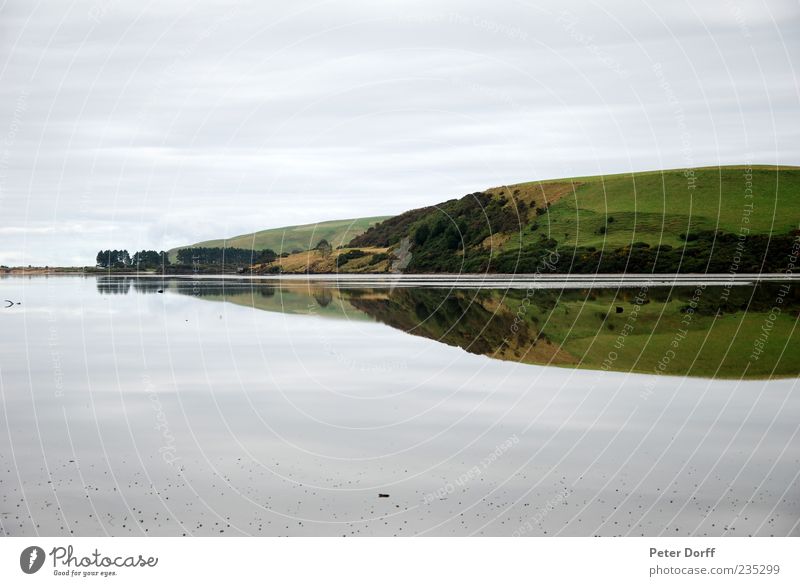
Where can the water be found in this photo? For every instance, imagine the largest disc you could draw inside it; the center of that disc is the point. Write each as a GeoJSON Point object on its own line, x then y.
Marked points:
{"type": "Point", "coordinates": [286, 407]}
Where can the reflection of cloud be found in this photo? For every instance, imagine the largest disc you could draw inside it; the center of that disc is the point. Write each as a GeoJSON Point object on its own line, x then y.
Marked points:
{"type": "Point", "coordinates": [68, 313]}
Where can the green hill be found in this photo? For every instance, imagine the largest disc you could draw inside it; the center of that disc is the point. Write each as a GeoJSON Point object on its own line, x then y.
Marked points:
{"type": "Point", "coordinates": [714, 219]}
{"type": "Point", "coordinates": [291, 238]}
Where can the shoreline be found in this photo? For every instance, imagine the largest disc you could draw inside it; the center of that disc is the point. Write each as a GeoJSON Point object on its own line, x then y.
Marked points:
{"type": "Point", "coordinates": [463, 280]}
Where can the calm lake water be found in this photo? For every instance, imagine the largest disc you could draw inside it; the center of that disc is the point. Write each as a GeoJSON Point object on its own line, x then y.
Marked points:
{"type": "Point", "coordinates": [140, 406]}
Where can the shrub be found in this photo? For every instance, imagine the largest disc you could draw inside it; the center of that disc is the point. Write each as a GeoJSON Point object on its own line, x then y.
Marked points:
{"type": "Point", "coordinates": [451, 238]}
{"type": "Point", "coordinates": [346, 257]}
{"type": "Point", "coordinates": [422, 233]}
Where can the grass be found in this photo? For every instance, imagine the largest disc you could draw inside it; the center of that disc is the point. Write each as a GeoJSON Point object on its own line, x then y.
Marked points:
{"type": "Point", "coordinates": [656, 207]}
{"type": "Point", "coordinates": [292, 238]}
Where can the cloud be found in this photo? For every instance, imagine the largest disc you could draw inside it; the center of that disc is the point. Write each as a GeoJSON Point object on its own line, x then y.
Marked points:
{"type": "Point", "coordinates": [151, 126]}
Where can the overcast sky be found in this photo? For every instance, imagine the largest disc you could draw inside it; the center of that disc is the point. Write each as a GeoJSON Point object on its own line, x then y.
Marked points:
{"type": "Point", "coordinates": [138, 124]}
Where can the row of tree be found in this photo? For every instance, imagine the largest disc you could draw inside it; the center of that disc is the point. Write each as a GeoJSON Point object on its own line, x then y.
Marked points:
{"type": "Point", "coordinates": [225, 256]}
{"type": "Point", "coordinates": [121, 259]}
{"type": "Point", "coordinates": [198, 256]}
{"type": "Point", "coordinates": [112, 259]}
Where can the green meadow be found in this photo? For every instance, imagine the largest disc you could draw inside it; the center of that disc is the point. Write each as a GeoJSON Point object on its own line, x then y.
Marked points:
{"type": "Point", "coordinates": [657, 207]}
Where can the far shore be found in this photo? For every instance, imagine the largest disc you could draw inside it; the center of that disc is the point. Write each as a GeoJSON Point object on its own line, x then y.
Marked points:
{"type": "Point", "coordinates": [31, 270]}
{"type": "Point", "coordinates": [415, 278]}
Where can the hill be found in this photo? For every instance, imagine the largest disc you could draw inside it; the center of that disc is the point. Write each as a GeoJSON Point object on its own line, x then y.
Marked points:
{"type": "Point", "coordinates": [293, 238]}
{"type": "Point", "coordinates": [715, 219]}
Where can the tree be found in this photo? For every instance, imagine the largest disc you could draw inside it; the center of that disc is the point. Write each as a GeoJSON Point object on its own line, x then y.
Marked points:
{"type": "Point", "coordinates": [324, 247]}
{"type": "Point", "coordinates": [267, 256]}
{"type": "Point", "coordinates": [422, 233]}
{"type": "Point", "coordinates": [113, 259]}
{"type": "Point", "coordinates": [148, 259]}
{"type": "Point", "coordinates": [222, 257]}
{"type": "Point", "coordinates": [452, 238]}
{"type": "Point", "coordinates": [439, 227]}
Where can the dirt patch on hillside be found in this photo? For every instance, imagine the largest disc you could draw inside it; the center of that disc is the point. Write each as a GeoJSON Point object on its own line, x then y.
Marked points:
{"type": "Point", "coordinates": [535, 194]}
{"type": "Point", "coordinates": [314, 261]}
{"type": "Point", "coordinates": [496, 242]}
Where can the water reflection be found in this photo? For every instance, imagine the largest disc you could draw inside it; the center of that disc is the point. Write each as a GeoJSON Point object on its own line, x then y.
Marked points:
{"type": "Point", "coordinates": [286, 408]}
{"type": "Point", "coordinates": [709, 331]}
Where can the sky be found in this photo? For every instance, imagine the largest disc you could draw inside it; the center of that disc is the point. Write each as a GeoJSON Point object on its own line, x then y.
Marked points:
{"type": "Point", "coordinates": [150, 124]}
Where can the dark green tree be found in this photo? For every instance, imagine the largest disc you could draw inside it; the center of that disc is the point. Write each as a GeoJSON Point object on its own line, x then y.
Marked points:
{"type": "Point", "coordinates": [421, 235]}
{"type": "Point", "coordinates": [324, 247]}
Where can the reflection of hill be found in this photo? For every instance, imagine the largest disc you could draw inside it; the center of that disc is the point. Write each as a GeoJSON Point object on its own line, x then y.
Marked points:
{"type": "Point", "coordinates": [671, 331]}
{"type": "Point", "coordinates": [472, 321]}
{"type": "Point", "coordinates": [674, 331]}
{"type": "Point", "coordinates": [301, 298]}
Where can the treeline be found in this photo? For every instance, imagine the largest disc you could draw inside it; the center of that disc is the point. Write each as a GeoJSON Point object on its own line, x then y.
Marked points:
{"type": "Point", "coordinates": [704, 252]}
{"type": "Point", "coordinates": [199, 257]}
{"type": "Point", "coordinates": [219, 257]}
{"type": "Point", "coordinates": [121, 259]}
{"type": "Point", "coordinates": [437, 249]}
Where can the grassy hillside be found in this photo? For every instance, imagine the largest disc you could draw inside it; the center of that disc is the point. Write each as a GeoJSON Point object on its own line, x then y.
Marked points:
{"type": "Point", "coordinates": [292, 238]}
{"type": "Point", "coordinates": [687, 221]}
{"type": "Point", "coordinates": [658, 206]}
